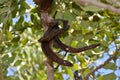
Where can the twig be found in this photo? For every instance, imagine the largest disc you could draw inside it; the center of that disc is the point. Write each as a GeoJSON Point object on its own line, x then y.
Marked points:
{"type": "Point", "coordinates": [100, 66]}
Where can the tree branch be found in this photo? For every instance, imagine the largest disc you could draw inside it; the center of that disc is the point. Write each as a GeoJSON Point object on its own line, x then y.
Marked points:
{"type": "Point", "coordinates": [98, 4]}
{"type": "Point", "coordinates": [46, 20]}
{"type": "Point", "coordinates": [116, 2]}
{"type": "Point", "coordinates": [100, 66]}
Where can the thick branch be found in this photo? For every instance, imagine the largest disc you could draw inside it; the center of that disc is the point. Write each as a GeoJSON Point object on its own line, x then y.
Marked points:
{"type": "Point", "coordinates": [116, 2]}
{"type": "Point", "coordinates": [46, 20]}
{"type": "Point", "coordinates": [98, 4]}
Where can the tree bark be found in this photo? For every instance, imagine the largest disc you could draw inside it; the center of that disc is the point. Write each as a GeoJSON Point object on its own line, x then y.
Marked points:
{"type": "Point", "coordinates": [46, 20]}
{"type": "Point", "coordinates": [44, 6]}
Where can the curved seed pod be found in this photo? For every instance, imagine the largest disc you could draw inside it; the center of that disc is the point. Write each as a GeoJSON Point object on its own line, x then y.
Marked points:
{"type": "Point", "coordinates": [71, 49]}
{"type": "Point", "coordinates": [46, 42]}
{"type": "Point", "coordinates": [46, 48]}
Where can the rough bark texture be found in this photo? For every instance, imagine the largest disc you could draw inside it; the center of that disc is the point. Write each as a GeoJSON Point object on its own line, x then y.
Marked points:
{"type": "Point", "coordinates": [46, 20]}
{"type": "Point", "coordinates": [44, 6]}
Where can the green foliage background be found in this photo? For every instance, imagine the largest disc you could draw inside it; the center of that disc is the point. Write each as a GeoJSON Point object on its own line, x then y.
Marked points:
{"type": "Point", "coordinates": [20, 28]}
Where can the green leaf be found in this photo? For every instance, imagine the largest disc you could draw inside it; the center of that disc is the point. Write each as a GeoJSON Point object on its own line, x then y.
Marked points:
{"type": "Point", "coordinates": [104, 43]}
{"type": "Point", "coordinates": [15, 10]}
{"type": "Point", "coordinates": [75, 6]}
{"type": "Point", "coordinates": [24, 41]}
{"type": "Point", "coordinates": [33, 18]}
{"type": "Point", "coordinates": [111, 66]}
{"type": "Point", "coordinates": [11, 59]}
{"type": "Point", "coordinates": [109, 35]}
{"type": "Point", "coordinates": [89, 35]}
{"type": "Point", "coordinates": [85, 25]}
{"type": "Point", "coordinates": [2, 49]}
{"type": "Point", "coordinates": [3, 1]}
{"type": "Point", "coordinates": [70, 72]}
{"type": "Point", "coordinates": [28, 24]}
{"type": "Point", "coordinates": [17, 63]}
{"type": "Point", "coordinates": [16, 39]}
{"type": "Point", "coordinates": [5, 58]}
{"type": "Point", "coordinates": [9, 35]}
{"type": "Point", "coordinates": [67, 15]}
{"type": "Point", "coordinates": [91, 8]}
{"type": "Point", "coordinates": [80, 59]}
{"type": "Point", "coordinates": [25, 5]}
{"type": "Point", "coordinates": [107, 77]}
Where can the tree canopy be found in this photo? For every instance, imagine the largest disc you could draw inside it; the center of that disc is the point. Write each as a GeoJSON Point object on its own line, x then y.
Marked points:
{"type": "Point", "coordinates": [91, 21]}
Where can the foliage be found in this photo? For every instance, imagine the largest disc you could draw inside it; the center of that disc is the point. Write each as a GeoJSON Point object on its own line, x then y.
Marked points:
{"type": "Point", "coordinates": [20, 28]}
